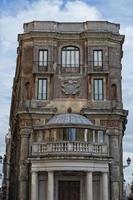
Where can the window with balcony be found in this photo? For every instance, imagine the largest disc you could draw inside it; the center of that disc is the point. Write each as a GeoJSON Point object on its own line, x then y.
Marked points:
{"type": "Point", "coordinates": [70, 58]}
{"type": "Point", "coordinates": [97, 58]}
{"type": "Point", "coordinates": [42, 89]}
{"type": "Point", "coordinates": [98, 89]}
{"type": "Point", "coordinates": [43, 59]}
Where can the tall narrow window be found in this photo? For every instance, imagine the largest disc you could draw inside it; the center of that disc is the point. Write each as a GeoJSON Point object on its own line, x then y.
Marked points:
{"type": "Point", "coordinates": [42, 89]}
{"type": "Point", "coordinates": [100, 136]}
{"type": "Point", "coordinates": [70, 57]}
{"type": "Point", "coordinates": [72, 134]}
{"type": "Point", "coordinates": [97, 58]}
{"type": "Point", "coordinates": [98, 91]}
{"type": "Point", "coordinates": [43, 57]}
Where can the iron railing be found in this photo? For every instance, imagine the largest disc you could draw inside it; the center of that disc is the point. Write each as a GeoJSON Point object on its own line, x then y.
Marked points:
{"type": "Point", "coordinates": [50, 66]}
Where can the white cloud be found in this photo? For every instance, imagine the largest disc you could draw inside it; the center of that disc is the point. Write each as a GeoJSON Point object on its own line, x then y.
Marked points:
{"type": "Point", "coordinates": [46, 10]}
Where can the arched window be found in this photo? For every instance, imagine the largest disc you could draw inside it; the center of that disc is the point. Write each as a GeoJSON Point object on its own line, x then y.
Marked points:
{"type": "Point", "coordinates": [113, 92]}
{"type": "Point", "coordinates": [70, 56]}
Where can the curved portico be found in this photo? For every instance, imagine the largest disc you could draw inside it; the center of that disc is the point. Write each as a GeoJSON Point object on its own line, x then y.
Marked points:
{"type": "Point", "coordinates": [71, 144]}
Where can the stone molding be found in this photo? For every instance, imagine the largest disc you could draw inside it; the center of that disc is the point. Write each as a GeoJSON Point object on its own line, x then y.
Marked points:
{"type": "Point", "coordinates": [76, 27]}
{"type": "Point", "coordinates": [67, 165]}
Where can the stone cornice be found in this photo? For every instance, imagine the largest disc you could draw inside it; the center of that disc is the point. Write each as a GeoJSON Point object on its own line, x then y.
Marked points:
{"type": "Point", "coordinates": [77, 27]}
{"type": "Point", "coordinates": [72, 36]}
{"type": "Point", "coordinates": [119, 112]}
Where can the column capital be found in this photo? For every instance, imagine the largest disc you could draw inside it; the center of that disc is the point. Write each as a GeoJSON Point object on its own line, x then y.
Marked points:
{"type": "Point", "coordinates": [89, 172]}
{"type": "Point", "coordinates": [50, 171]}
{"type": "Point", "coordinates": [25, 132]}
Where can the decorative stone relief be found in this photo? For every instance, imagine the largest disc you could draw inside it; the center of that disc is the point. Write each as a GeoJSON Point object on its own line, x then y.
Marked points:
{"type": "Point", "coordinates": [71, 87]}
{"type": "Point", "coordinates": [110, 123]}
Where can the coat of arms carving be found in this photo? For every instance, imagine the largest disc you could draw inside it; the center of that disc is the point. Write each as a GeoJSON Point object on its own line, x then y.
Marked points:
{"type": "Point", "coordinates": [71, 87]}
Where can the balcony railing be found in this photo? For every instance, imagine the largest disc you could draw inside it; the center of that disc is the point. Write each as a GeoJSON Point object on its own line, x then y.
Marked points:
{"type": "Point", "coordinates": [51, 67]}
{"type": "Point", "coordinates": [97, 66]}
{"type": "Point", "coordinates": [69, 147]}
{"type": "Point", "coordinates": [42, 66]}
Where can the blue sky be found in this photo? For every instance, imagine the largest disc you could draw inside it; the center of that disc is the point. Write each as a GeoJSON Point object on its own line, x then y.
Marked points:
{"type": "Point", "coordinates": [13, 13]}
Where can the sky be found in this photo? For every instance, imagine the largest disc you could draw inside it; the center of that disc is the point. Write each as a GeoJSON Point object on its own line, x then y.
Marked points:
{"type": "Point", "coordinates": [13, 13]}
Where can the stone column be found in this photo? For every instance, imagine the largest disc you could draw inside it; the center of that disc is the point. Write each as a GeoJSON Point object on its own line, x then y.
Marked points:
{"type": "Point", "coordinates": [34, 186]}
{"type": "Point", "coordinates": [50, 195]}
{"type": "Point", "coordinates": [89, 186]}
{"type": "Point", "coordinates": [23, 164]}
{"type": "Point", "coordinates": [105, 186]}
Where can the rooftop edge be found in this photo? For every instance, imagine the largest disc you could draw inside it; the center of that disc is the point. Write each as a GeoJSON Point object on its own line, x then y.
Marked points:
{"type": "Point", "coordinates": [78, 27]}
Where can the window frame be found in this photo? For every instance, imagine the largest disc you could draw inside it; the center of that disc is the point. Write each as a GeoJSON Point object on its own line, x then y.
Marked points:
{"type": "Point", "coordinates": [99, 59]}
{"type": "Point", "coordinates": [43, 61]}
{"type": "Point", "coordinates": [100, 95]}
{"type": "Point", "coordinates": [71, 54]}
{"type": "Point", "coordinates": [103, 137]}
{"type": "Point", "coordinates": [96, 136]}
{"type": "Point", "coordinates": [42, 86]}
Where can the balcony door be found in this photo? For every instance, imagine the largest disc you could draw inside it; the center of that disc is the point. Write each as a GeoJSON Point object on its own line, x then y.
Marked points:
{"type": "Point", "coordinates": [69, 190]}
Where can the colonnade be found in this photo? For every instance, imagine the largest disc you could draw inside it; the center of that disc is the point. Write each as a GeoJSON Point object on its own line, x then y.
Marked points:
{"type": "Point", "coordinates": [50, 186]}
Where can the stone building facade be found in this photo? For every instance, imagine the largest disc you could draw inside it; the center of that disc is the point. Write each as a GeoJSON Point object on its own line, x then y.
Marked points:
{"type": "Point", "coordinates": [67, 118]}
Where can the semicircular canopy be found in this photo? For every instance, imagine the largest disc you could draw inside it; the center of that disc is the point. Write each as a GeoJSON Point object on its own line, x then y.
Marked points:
{"type": "Point", "coordinates": [69, 118]}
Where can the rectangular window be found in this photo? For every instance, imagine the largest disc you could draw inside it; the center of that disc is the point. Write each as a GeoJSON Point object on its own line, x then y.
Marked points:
{"type": "Point", "coordinates": [98, 136]}
{"type": "Point", "coordinates": [70, 57]}
{"type": "Point", "coordinates": [42, 89]}
{"type": "Point", "coordinates": [95, 136]}
{"type": "Point", "coordinates": [72, 134]}
{"type": "Point", "coordinates": [43, 57]}
{"type": "Point", "coordinates": [97, 58]}
{"type": "Point", "coordinates": [98, 91]}
{"type": "Point", "coordinates": [101, 136]}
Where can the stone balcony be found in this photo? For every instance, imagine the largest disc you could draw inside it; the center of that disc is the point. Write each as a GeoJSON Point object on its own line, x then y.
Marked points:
{"type": "Point", "coordinates": [69, 148]}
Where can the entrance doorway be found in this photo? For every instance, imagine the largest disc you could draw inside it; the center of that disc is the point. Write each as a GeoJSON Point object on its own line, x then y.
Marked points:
{"type": "Point", "coordinates": [69, 190]}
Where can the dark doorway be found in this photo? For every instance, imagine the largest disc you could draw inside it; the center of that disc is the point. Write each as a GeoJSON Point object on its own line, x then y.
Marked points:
{"type": "Point", "coordinates": [69, 190]}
